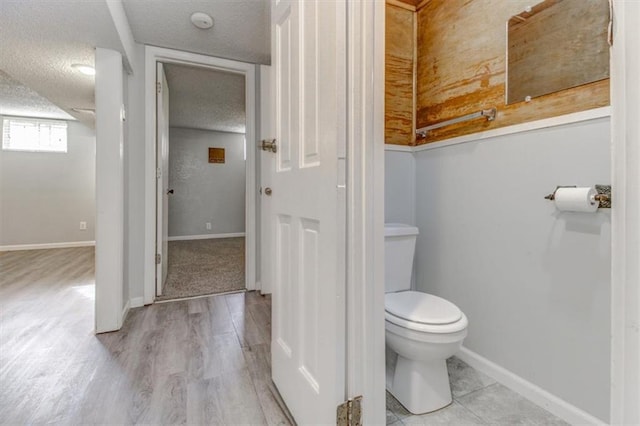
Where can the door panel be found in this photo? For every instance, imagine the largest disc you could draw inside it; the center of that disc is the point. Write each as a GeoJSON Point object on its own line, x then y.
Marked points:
{"type": "Point", "coordinates": [307, 207]}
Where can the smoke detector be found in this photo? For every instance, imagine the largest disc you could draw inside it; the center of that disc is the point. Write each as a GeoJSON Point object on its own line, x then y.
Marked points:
{"type": "Point", "coordinates": [202, 20]}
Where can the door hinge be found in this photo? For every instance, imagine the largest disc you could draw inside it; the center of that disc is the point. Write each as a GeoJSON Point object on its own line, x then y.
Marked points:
{"type": "Point", "coordinates": [350, 412]}
{"type": "Point", "coordinates": [158, 258]}
{"type": "Point", "coordinates": [158, 173]}
{"type": "Point", "coordinates": [158, 87]}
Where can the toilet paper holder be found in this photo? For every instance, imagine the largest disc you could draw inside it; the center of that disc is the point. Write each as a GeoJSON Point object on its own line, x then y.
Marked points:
{"type": "Point", "coordinates": [603, 197]}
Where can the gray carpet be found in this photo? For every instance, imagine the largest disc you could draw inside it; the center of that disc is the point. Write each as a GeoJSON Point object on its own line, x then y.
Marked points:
{"type": "Point", "coordinates": [199, 267]}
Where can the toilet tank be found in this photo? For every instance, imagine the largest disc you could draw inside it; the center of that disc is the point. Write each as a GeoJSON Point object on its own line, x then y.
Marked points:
{"type": "Point", "coordinates": [399, 247]}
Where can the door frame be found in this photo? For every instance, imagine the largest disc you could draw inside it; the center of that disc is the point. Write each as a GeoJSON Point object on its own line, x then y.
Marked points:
{"type": "Point", "coordinates": [365, 344]}
{"type": "Point", "coordinates": [625, 214]}
{"type": "Point", "coordinates": [365, 246]}
{"type": "Point", "coordinates": [162, 182]}
{"type": "Point", "coordinates": [157, 54]}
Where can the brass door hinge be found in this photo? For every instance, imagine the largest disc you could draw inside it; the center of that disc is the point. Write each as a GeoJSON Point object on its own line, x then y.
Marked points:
{"type": "Point", "coordinates": [349, 413]}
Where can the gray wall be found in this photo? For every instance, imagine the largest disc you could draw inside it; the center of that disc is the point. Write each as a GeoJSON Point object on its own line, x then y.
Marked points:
{"type": "Point", "coordinates": [205, 192]}
{"type": "Point", "coordinates": [399, 186]}
{"type": "Point", "coordinates": [533, 282]}
{"type": "Point", "coordinates": [44, 196]}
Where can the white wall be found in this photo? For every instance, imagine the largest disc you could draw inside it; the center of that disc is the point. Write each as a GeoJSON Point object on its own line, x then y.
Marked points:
{"type": "Point", "coordinates": [134, 155]}
{"type": "Point", "coordinates": [109, 93]}
{"type": "Point", "coordinates": [399, 186]}
{"type": "Point", "coordinates": [533, 282]}
{"type": "Point", "coordinates": [205, 192]}
{"type": "Point", "coordinates": [44, 196]}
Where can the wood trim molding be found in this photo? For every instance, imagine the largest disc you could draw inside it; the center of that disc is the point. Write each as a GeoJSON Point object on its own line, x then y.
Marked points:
{"type": "Point", "coordinates": [206, 236]}
{"type": "Point", "coordinates": [44, 246]}
{"type": "Point", "coordinates": [421, 4]}
{"type": "Point", "coordinates": [402, 4]}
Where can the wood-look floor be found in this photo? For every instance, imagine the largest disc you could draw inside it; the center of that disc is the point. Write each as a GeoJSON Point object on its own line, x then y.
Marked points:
{"type": "Point", "coordinates": [199, 361]}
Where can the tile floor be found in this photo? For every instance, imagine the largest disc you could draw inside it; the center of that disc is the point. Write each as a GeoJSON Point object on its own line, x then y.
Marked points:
{"type": "Point", "coordinates": [477, 400]}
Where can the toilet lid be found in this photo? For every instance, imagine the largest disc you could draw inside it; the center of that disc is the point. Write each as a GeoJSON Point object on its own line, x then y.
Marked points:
{"type": "Point", "coordinates": [421, 307]}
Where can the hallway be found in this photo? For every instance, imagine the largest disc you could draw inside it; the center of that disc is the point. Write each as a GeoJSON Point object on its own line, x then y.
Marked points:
{"type": "Point", "coordinates": [195, 361]}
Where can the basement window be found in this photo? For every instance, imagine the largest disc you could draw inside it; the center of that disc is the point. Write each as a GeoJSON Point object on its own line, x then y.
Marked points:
{"type": "Point", "coordinates": [34, 135]}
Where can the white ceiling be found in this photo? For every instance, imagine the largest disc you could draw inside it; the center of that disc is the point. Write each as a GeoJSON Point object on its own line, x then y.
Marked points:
{"type": "Point", "coordinates": [40, 39]}
{"type": "Point", "coordinates": [202, 98]}
{"type": "Point", "coordinates": [21, 101]}
{"type": "Point", "coordinates": [240, 27]}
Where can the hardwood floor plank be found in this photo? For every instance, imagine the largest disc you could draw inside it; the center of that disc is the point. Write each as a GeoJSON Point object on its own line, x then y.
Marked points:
{"type": "Point", "coordinates": [168, 402]}
{"type": "Point", "coordinates": [235, 302]}
{"type": "Point", "coordinates": [198, 361]}
{"type": "Point", "coordinates": [258, 360]}
{"type": "Point", "coordinates": [261, 314]}
{"type": "Point", "coordinates": [211, 354]}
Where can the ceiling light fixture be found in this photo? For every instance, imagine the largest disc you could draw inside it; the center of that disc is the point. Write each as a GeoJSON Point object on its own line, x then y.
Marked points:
{"type": "Point", "coordinates": [84, 69]}
{"type": "Point", "coordinates": [202, 20]}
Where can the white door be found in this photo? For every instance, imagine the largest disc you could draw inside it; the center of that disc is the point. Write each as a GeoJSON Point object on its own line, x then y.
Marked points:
{"type": "Point", "coordinates": [162, 182]}
{"type": "Point", "coordinates": [307, 207]}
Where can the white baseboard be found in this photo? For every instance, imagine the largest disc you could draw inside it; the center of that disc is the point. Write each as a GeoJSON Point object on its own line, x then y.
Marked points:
{"type": "Point", "coordinates": [136, 302]}
{"type": "Point", "coordinates": [125, 312]}
{"type": "Point", "coordinates": [546, 400]}
{"type": "Point", "coordinates": [47, 246]}
{"type": "Point", "coordinates": [206, 236]}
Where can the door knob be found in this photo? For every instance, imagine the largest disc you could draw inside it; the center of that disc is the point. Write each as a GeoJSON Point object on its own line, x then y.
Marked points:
{"type": "Point", "coordinates": [268, 191]}
{"type": "Point", "coordinates": [170, 191]}
{"type": "Point", "coordinates": [269, 145]}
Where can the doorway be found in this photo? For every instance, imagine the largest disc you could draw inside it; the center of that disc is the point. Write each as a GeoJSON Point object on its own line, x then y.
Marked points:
{"type": "Point", "coordinates": [201, 191]}
{"type": "Point", "coordinates": [203, 213]}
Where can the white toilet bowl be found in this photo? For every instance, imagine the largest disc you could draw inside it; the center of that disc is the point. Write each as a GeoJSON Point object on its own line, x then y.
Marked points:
{"type": "Point", "coordinates": [423, 331]}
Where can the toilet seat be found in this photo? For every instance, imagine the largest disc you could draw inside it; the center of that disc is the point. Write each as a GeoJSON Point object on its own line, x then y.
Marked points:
{"type": "Point", "coordinates": [423, 312]}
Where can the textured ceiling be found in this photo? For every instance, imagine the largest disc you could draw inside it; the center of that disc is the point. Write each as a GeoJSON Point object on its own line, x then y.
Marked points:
{"type": "Point", "coordinates": [19, 100]}
{"type": "Point", "coordinates": [240, 27]}
{"type": "Point", "coordinates": [40, 39]}
{"type": "Point", "coordinates": [202, 98]}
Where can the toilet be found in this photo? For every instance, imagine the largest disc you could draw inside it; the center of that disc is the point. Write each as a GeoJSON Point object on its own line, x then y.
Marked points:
{"type": "Point", "coordinates": [421, 330]}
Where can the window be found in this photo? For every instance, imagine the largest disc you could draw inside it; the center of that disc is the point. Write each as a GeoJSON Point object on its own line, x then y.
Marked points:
{"type": "Point", "coordinates": [36, 135]}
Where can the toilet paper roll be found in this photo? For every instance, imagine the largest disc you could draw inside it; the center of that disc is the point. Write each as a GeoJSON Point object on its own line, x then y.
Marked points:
{"type": "Point", "coordinates": [576, 199]}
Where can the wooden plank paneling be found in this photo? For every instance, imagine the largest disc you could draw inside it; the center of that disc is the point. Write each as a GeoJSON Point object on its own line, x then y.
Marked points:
{"type": "Point", "coordinates": [403, 4]}
{"type": "Point", "coordinates": [461, 69]}
{"type": "Point", "coordinates": [399, 76]}
{"type": "Point", "coordinates": [573, 51]}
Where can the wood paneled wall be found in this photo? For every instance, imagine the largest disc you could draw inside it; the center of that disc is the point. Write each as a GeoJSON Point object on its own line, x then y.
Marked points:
{"type": "Point", "coordinates": [399, 75]}
{"type": "Point", "coordinates": [461, 69]}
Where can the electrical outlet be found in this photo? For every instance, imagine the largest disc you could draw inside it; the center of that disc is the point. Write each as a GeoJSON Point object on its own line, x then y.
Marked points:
{"type": "Point", "coordinates": [83, 226]}
{"type": "Point", "coordinates": [208, 226]}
